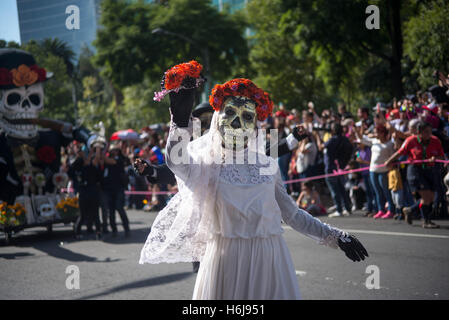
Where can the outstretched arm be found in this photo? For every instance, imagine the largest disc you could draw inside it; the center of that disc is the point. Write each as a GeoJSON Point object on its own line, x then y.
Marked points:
{"type": "Point", "coordinates": [303, 222]}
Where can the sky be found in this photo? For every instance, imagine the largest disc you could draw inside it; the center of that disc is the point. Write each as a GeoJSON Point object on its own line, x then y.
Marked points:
{"type": "Point", "coordinates": [9, 21]}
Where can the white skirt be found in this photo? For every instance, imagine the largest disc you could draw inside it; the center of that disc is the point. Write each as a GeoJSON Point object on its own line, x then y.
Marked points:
{"type": "Point", "coordinates": [246, 269]}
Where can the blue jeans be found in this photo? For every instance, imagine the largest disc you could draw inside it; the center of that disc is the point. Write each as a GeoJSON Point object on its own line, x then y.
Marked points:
{"type": "Point", "coordinates": [383, 194]}
{"type": "Point", "coordinates": [283, 162]}
{"type": "Point", "coordinates": [370, 195]}
{"type": "Point", "coordinates": [339, 194]}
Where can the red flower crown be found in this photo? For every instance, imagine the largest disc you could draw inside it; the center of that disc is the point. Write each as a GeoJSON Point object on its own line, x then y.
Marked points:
{"type": "Point", "coordinates": [184, 75]}
{"type": "Point", "coordinates": [244, 88]}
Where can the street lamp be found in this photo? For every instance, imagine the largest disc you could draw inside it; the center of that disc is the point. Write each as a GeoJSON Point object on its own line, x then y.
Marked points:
{"type": "Point", "coordinates": [204, 53]}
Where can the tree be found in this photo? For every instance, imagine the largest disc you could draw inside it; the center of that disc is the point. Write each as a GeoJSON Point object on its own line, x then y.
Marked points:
{"type": "Point", "coordinates": [336, 31]}
{"type": "Point", "coordinates": [128, 51]}
{"type": "Point", "coordinates": [427, 41]}
{"type": "Point", "coordinates": [281, 70]}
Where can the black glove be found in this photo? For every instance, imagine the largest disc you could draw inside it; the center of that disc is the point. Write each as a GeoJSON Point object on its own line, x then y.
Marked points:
{"type": "Point", "coordinates": [148, 171]}
{"type": "Point", "coordinates": [352, 247]}
{"type": "Point", "coordinates": [181, 104]}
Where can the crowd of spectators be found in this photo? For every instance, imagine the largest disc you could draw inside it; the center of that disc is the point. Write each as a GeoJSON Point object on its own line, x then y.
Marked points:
{"type": "Point", "coordinates": [370, 142]}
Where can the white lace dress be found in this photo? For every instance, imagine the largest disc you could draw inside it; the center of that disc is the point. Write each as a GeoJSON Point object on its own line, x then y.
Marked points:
{"type": "Point", "coordinates": [247, 258]}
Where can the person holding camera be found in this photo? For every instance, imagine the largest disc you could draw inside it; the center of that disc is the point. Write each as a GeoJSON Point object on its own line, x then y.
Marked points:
{"type": "Point", "coordinates": [85, 169]}
{"type": "Point", "coordinates": [115, 180]}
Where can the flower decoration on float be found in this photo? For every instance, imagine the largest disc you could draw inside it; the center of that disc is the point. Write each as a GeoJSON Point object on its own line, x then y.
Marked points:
{"type": "Point", "coordinates": [46, 154]}
{"type": "Point", "coordinates": [68, 207]}
{"type": "Point", "coordinates": [182, 76]}
{"type": "Point", "coordinates": [243, 88]}
{"type": "Point", "coordinates": [12, 215]}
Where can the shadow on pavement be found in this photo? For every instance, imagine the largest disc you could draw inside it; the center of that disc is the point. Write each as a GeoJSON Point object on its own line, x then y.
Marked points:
{"type": "Point", "coordinates": [49, 243]}
{"type": "Point", "coordinates": [142, 284]}
{"type": "Point", "coordinates": [12, 256]}
{"type": "Point", "coordinates": [137, 236]}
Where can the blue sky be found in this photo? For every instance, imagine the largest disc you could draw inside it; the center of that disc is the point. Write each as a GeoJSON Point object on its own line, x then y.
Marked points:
{"type": "Point", "coordinates": [9, 21]}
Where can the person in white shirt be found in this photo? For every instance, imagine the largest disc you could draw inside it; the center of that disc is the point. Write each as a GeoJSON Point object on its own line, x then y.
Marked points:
{"type": "Point", "coordinates": [381, 149]}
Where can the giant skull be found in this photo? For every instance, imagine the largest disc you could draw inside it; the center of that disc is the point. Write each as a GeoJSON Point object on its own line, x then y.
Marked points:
{"type": "Point", "coordinates": [19, 104]}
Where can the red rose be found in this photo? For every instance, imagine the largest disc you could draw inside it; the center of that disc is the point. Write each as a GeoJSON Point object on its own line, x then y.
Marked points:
{"type": "Point", "coordinates": [5, 76]}
{"type": "Point", "coordinates": [46, 154]}
{"type": "Point", "coordinates": [41, 72]}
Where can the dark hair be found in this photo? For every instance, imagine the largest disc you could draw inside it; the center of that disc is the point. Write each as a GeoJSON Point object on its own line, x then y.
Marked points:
{"type": "Point", "coordinates": [422, 125]}
{"type": "Point", "coordinates": [308, 184]}
{"type": "Point", "coordinates": [336, 129]}
{"type": "Point", "coordinates": [364, 110]}
{"type": "Point", "coordinates": [380, 128]}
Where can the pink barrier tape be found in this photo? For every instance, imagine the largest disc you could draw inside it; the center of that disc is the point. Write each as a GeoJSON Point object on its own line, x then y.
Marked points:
{"type": "Point", "coordinates": [323, 176]}
{"type": "Point", "coordinates": [150, 192]}
{"type": "Point", "coordinates": [130, 192]}
{"type": "Point", "coordinates": [344, 172]}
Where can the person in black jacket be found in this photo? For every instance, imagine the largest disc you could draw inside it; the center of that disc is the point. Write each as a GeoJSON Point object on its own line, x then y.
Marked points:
{"type": "Point", "coordinates": [114, 184]}
{"type": "Point", "coordinates": [85, 169]}
{"type": "Point", "coordinates": [337, 153]}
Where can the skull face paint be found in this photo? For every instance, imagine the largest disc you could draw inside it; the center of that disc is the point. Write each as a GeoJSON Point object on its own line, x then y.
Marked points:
{"type": "Point", "coordinates": [237, 121]}
{"type": "Point", "coordinates": [17, 106]}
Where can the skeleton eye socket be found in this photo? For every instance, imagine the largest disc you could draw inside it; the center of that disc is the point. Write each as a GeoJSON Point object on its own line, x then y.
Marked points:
{"type": "Point", "coordinates": [35, 99]}
{"type": "Point", "coordinates": [230, 112]}
{"type": "Point", "coordinates": [247, 116]}
{"type": "Point", "coordinates": [13, 98]}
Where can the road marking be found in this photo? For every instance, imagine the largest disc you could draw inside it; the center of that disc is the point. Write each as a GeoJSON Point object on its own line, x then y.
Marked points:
{"type": "Point", "coordinates": [300, 273]}
{"type": "Point", "coordinates": [391, 233]}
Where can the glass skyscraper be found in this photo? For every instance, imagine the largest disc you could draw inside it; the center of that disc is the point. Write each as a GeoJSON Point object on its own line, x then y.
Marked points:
{"type": "Point", "coordinates": [40, 19]}
{"type": "Point", "coordinates": [231, 5]}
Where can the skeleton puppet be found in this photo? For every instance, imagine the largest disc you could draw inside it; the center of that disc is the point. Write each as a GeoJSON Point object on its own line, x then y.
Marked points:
{"type": "Point", "coordinates": [26, 152]}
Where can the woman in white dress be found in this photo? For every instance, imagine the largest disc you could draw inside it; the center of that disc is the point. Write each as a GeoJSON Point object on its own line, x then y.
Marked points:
{"type": "Point", "coordinates": [228, 212]}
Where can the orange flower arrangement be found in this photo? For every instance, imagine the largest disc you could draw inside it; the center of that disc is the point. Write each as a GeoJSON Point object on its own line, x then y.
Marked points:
{"type": "Point", "coordinates": [182, 75]}
{"type": "Point", "coordinates": [12, 214]}
{"type": "Point", "coordinates": [68, 208]}
{"type": "Point", "coordinates": [175, 76]}
{"type": "Point", "coordinates": [244, 88]}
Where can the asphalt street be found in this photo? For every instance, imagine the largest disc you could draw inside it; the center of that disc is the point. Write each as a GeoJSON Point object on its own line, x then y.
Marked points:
{"type": "Point", "coordinates": [409, 262]}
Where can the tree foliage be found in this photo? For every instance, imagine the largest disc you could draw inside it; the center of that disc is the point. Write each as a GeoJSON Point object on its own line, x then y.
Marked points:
{"type": "Point", "coordinates": [129, 51]}
{"type": "Point", "coordinates": [427, 41]}
{"type": "Point", "coordinates": [288, 76]}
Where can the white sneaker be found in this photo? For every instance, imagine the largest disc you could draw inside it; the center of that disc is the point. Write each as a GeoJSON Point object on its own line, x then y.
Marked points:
{"type": "Point", "coordinates": [332, 209]}
{"type": "Point", "coordinates": [335, 214]}
{"type": "Point", "coordinates": [346, 213]}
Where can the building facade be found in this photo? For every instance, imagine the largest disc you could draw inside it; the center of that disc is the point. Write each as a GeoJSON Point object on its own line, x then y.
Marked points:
{"type": "Point", "coordinates": [40, 19]}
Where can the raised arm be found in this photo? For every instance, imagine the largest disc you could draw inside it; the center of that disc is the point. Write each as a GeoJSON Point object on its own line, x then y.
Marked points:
{"type": "Point", "coordinates": [181, 104]}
